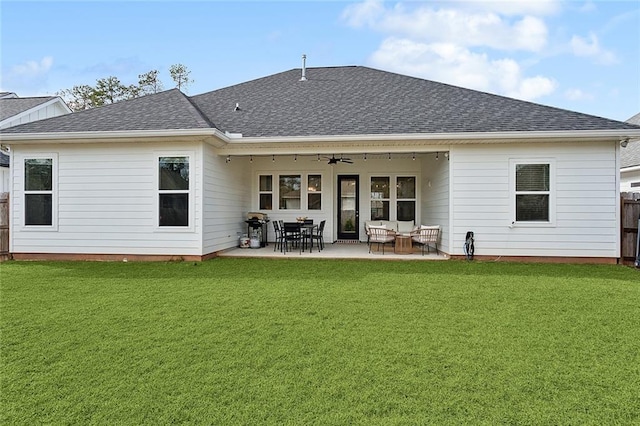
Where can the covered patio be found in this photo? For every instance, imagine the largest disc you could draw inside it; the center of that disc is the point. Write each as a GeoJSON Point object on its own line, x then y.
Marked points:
{"type": "Point", "coordinates": [337, 250]}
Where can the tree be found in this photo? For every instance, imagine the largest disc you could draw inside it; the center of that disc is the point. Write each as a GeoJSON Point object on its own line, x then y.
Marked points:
{"type": "Point", "coordinates": [110, 90]}
{"type": "Point", "coordinates": [79, 98]}
{"type": "Point", "coordinates": [180, 75]}
{"type": "Point", "coordinates": [149, 83]}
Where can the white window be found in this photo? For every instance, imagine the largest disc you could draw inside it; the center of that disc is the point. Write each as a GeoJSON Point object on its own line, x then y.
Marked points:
{"type": "Point", "coordinates": [266, 192]}
{"type": "Point", "coordinates": [406, 198]}
{"type": "Point", "coordinates": [289, 194]}
{"type": "Point", "coordinates": [39, 184]}
{"type": "Point", "coordinates": [173, 191]}
{"type": "Point", "coordinates": [400, 198]}
{"type": "Point", "coordinates": [533, 196]}
{"type": "Point", "coordinates": [314, 192]}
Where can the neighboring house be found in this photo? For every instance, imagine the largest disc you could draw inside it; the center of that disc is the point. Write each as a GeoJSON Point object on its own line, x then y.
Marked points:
{"type": "Point", "coordinates": [15, 111]}
{"type": "Point", "coordinates": [630, 163]}
{"type": "Point", "coordinates": [167, 175]}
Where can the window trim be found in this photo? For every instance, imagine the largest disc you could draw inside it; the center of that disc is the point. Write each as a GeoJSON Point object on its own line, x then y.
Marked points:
{"type": "Point", "coordinates": [393, 194]}
{"type": "Point", "coordinates": [190, 155]}
{"type": "Point", "coordinates": [304, 191]}
{"type": "Point", "coordinates": [261, 192]}
{"type": "Point", "coordinates": [54, 192]}
{"type": "Point", "coordinates": [513, 163]}
{"type": "Point", "coordinates": [309, 192]}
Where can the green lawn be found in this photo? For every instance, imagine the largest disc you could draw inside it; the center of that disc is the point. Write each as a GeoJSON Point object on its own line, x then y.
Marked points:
{"type": "Point", "coordinates": [260, 341]}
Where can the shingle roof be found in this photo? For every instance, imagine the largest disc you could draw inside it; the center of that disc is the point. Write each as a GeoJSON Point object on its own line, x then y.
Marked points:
{"type": "Point", "coordinates": [14, 106]}
{"type": "Point", "coordinates": [162, 111]}
{"type": "Point", "coordinates": [333, 101]}
{"type": "Point", "coordinates": [361, 100]}
{"type": "Point", "coordinates": [630, 156]}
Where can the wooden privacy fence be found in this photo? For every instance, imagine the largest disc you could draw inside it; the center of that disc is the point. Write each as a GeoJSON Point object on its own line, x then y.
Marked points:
{"type": "Point", "coordinates": [629, 222]}
{"type": "Point", "coordinates": [4, 226]}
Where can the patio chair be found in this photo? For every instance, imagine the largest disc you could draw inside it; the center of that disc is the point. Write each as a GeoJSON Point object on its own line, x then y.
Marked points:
{"type": "Point", "coordinates": [426, 235]}
{"type": "Point", "coordinates": [279, 235]}
{"type": "Point", "coordinates": [292, 234]}
{"type": "Point", "coordinates": [318, 236]}
{"type": "Point", "coordinates": [380, 235]}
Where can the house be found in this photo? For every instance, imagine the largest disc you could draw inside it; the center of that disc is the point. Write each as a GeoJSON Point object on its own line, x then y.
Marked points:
{"type": "Point", "coordinates": [170, 176]}
{"type": "Point", "coordinates": [630, 164]}
{"type": "Point", "coordinates": [15, 111]}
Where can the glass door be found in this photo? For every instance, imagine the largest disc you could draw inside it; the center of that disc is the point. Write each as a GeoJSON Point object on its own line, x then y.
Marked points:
{"type": "Point", "coordinates": [348, 210]}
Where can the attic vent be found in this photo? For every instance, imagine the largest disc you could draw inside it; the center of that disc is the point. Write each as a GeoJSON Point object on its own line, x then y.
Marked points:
{"type": "Point", "coordinates": [304, 68]}
{"type": "Point", "coordinates": [237, 108]}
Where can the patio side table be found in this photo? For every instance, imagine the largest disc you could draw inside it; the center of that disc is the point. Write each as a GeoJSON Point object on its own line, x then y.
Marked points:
{"type": "Point", "coordinates": [403, 244]}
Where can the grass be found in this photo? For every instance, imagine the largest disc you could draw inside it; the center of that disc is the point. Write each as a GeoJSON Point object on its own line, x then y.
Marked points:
{"type": "Point", "coordinates": [259, 341]}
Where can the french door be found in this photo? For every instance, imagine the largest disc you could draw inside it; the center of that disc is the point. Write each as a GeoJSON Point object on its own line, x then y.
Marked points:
{"type": "Point", "coordinates": [348, 208]}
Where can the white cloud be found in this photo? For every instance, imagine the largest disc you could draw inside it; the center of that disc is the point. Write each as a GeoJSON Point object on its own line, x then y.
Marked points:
{"type": "Point", "coordinates": [518, 7]}
{"type": "Point", "coordinates": [456, 42]}
{"type": "Point", "coordinates": [26, 78]}
{"type": "Point", "coordinates": [33, 68]}
{"type": "Point", "coordinates": [363, 14]}
{"type": "Point", "coordinates": [577, 95]}
{"type": "Point", "coordinates": [590, 48]}
{"type": "Point", "coordinates": [460, 26]}
{"type": "Point", "coordinates": [453, 64]}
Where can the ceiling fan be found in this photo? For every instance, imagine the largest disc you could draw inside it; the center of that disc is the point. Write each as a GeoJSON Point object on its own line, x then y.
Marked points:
{"type": "Point", "coordinates": [334, 160]}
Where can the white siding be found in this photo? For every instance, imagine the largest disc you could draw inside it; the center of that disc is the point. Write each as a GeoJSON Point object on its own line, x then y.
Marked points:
{"type": "Point", "coordinates": [435, 196]}
{"type": "Point", "coordinates": [586, 209]}
{"type": "Point", "coordinates": [106, 201]}
{"type": "Point", "coordinates": [227, 199]}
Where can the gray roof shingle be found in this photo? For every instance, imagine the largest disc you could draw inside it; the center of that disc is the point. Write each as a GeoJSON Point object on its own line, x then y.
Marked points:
{"type": "Point", "coordinates": [334, 101]}
{"type": "Point", "coordinates": [360, 100]}
{"type": "Point", "coordinates": [162, 111]}
{"type": "Point", "coordinates": [14, 106]}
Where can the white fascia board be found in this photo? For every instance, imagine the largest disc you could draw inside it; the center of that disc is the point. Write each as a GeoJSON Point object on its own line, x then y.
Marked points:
{"type": "Point", "coordinates": [475, 137]}
{"type": "Point", "coordinates": [98, 137]}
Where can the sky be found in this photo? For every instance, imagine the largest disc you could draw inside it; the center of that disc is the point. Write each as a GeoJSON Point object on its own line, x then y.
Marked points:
{"type": "Point", "coordinates": [580, 55]}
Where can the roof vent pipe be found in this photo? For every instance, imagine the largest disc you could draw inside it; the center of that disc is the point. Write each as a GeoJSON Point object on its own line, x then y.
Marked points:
{"type": "Point", "coordinates": [304, 68]}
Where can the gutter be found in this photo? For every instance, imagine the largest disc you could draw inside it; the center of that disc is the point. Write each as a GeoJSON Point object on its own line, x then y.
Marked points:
{"type": "Point", "coordinates": [238, 139]}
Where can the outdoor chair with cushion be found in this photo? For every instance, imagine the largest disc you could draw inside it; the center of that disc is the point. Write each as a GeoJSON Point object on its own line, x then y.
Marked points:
{"type": "Point", "coordinates": [380, 235]}
{"type": "Point", "coordinates": [426, 235]}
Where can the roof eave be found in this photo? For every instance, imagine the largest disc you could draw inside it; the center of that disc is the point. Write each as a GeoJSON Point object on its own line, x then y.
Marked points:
{"type": "Point", "coordinates": [212, 136]}
{"type": "Point", "coordinates": [453, 137]}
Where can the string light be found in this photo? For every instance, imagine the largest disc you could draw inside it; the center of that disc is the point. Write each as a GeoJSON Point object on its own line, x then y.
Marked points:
{"type": "Point", "coordinates": [389, 156]}
{"type": "Point", "coordinates": [273, 158]}
{"type": "Point", "coordinates": [365, 157]}
{"type": "Point", "coordinates": [228, 159]}
{"type": "Point", "coordinates": [295, 157]}
{"type": "Point", "coordinates": [251, 158]}
{"type": "Point", "coordinates": [437, 157]}
{"type": "Point", "coordinates": [414, 157]}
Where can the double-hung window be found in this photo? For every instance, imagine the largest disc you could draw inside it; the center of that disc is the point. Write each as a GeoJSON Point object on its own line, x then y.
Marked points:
{"type": "Point", "coordinates": [173, 191]}
{"type": "Point", "coordinates": [406, 198]}
{"type": "Point", "coordinates": [533, 191]}
{"type": "Point", "coordinates": [289, 194]}
{"type": "Point", "coordinates": [38, 191]}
